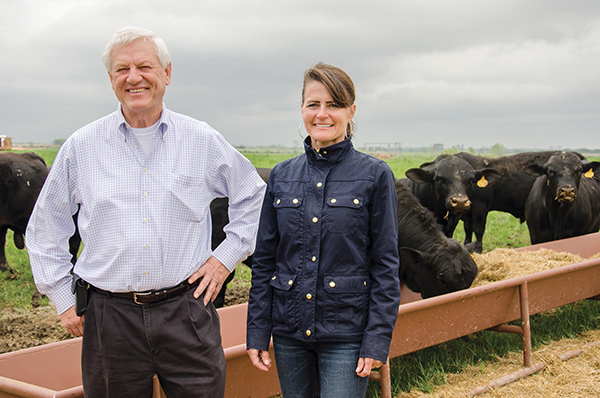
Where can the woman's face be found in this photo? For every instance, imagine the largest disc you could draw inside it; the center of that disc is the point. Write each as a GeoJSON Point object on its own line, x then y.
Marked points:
{"type": "Point", "coordinates": [324, 121]}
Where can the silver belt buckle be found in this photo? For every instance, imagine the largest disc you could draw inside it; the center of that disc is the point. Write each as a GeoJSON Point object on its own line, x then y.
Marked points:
{"type": "Point", "coordinates": [135, 296]}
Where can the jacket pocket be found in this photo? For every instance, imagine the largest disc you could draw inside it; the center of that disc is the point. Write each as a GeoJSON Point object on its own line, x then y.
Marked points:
{"type": "Point", "coordinates": [346, 303]}
{"type": "Point", "coordinates": [343, 213]}
{"type": "Point", "coordinates": [289, 215]}
{"type": "Point", "coordinates": [283, 307]}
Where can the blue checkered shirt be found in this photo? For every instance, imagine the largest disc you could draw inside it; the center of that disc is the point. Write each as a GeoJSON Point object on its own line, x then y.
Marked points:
{"type": "Point", "coordinates": [144, 222]}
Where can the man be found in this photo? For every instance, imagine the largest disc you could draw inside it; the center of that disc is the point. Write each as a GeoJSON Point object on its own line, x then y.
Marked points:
{"type": "Point", "coordinates": [143, 178]}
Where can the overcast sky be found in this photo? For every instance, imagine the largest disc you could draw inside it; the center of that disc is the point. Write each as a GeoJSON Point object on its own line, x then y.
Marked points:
{"type": "Point", "coordinates": [459, 72]}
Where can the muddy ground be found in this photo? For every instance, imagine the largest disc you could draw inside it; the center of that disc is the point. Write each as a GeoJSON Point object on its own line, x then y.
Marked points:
{"type": "Point", "coordinates": [29, 328]}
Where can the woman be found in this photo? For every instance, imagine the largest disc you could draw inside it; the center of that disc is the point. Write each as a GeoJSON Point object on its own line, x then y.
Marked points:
{"type": "Point", "coordinates": [325, 271]}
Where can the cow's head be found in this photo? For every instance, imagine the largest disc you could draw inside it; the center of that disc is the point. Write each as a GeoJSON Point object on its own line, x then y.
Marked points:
{"type": "Point", "coordinates": [452, 179]}
{"type": "Point", "coordinates": [563, 172]}
{"type": "Point", "coordinates": [437, 272]}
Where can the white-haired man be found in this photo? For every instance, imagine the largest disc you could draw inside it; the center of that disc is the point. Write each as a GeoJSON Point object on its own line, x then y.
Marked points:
{"type": "Point", "coordinates": [143, 178]}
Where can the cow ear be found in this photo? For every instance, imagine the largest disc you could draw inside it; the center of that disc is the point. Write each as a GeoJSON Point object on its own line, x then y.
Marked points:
{"type": "Point", "coordinates": [485, 177]}
{"type": "Point", "coordinates": [419, 175]}
{"type": "Point", "coordinates": [534, 170]}
{"type": "Point", "coordinates": [591, 169]}
{"type": "Point", "coordinates": [412, 259]}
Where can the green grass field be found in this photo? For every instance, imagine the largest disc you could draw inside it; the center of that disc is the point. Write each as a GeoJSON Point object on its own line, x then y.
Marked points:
{"type": "Point", "coordinates": [425, 368]}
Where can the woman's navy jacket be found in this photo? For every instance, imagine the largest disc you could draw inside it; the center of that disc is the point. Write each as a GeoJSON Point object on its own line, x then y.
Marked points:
{"type": "Point", "coordinates": [326, 262]}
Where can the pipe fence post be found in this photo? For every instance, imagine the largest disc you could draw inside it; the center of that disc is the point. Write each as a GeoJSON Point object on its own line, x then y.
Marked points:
{"type": "Point", "coordinates": [525, 325]}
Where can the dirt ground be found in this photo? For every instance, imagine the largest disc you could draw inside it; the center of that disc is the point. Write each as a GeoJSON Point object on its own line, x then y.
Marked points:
{"type": "Point", "coordinates": [29, 328]}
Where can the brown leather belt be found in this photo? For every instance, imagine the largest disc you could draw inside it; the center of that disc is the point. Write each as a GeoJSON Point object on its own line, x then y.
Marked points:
{"type": "Point", "coordinates": [152, 296]}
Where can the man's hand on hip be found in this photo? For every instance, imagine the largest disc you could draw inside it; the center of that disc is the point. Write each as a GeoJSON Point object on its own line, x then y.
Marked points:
{"type": "Point", "coordinates": [214, 274]}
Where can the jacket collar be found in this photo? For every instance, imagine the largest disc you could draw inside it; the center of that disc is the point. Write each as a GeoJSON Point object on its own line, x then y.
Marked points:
{"type": "Point", "coordinates": [332, 154]}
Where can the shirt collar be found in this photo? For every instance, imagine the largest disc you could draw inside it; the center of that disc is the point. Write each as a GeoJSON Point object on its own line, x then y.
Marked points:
{"type": "Point", "coordinates": [124, 127]}
{"type": "Point", "coordinates": [333, 154]}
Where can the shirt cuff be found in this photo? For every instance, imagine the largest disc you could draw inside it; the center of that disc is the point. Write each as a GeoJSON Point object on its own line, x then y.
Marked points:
{"type": "Point", "coordinates": [62, 298]}
{"type": "Point", "coordinates": [228, 255]}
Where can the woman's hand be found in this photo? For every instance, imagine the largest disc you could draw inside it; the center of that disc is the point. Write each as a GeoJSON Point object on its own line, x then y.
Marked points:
{"type": "Point", "coordinates": [260, 359]}
{"type": "Point", "coordinates": [365, 365]}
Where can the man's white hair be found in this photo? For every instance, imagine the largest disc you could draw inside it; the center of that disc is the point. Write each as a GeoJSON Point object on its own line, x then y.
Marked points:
{"type": "Point", "coordinates": [131, 33]}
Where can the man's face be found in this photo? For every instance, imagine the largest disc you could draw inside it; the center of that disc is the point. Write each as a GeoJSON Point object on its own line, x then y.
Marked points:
{"type": "Point", "coordinates": [139, 82]}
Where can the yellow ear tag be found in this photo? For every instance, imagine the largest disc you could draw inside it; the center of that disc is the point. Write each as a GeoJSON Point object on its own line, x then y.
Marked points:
{"type": "Point", "coordinates": [589, 173]}
{"type": "Point", "coordinates": [482, 183]}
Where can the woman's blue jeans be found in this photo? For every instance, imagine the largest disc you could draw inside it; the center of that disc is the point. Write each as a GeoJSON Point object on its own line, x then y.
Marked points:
{"type": "Point", "coordinates": [325, 370]}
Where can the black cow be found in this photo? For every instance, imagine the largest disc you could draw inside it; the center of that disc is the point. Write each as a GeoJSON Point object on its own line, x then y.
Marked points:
{"type": "Point", "coordinates": [430, 263]}
{"type": "Point", "coordinates": [453, 190]}
{"type": "Point", "coordinates": [509, 194]}
{"type": "Point", "coordinates": [565, 198]}
{"type": "Point", "coordinates": [219, 218]}
{"type": "Point", "coordinates": [22, 176]}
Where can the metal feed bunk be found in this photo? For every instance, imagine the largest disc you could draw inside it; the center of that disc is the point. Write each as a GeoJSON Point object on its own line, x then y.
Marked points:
{"type": "Point", "coordinates": [53, 370]}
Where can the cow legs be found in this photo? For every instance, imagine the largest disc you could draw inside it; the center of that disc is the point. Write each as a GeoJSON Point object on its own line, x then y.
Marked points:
{"type": "Point", "coordinates": [4, 267]}
{"type": "Point", "coordinates": [479, 221]}
{"type": "Point", "coordinates": [468, 225]}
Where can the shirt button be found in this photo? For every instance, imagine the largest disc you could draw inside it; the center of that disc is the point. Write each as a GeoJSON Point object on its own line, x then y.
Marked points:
{"type": "Point", "coordinates": [315, 220]}
{"type": "Point", "coordinates": [145, 169]}
{"type": "Point", "coordinates": [314, 258]}
{"type": "Point", "coordinates": [146, 247]}
{"type": "Point", "coordinates": [146, 272]}
{"type": "Point", "coordinates": [290, 282]}
{"type": "Point", "coordinates": [332, 284]}
{"type": "Point", "coordinates": [145, 193]}
{"type": "Point", "coordinates": [137, 145]}
{"type": "Point", "coordinates": [308, 332]}
{"type": "Point", "coordinates": [356, 201]}
{"type": "Point", "coordinates": [295, 201]}
{"type": "Point", "coordinates": [309, 296]}
{"type": "Point", "coordinates": [333, 200]}
{"type": "Point", "coordinates": [145, 221]}
{"type": "Point", "coordinates": [319, 184]}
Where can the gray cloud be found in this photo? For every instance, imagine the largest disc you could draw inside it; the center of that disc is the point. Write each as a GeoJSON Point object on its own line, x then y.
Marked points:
{"type": "Point", "coordinates": [522, 73]}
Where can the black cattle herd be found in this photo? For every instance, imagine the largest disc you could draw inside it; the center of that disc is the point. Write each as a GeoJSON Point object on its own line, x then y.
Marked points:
{"type": "Point", "coordinates": [557, 193]}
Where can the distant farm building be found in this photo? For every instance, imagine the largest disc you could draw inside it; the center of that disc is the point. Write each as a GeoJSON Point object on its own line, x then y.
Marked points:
{"type": "Point", "coordinates": [5, 143]}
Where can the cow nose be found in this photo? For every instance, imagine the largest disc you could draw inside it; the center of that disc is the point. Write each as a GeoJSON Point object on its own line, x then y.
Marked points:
{"type": "Point", "coordinates": [566, 194]}
{"type": "Point", "coordinates": [460, 203]}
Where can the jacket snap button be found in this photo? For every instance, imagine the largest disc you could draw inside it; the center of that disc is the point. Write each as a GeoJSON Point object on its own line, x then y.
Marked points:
{"type": "Point", "coordinates": [308, 332]}
{"type": "Point", "coordinates": [274, 277]}
{"type": "Point", "coordinates": [356, 201]}
{"type": "Point", "coordinates": [331, 284]}
{"type": "Point", "coordinates": [290, 282]}
{"type": "Point", "coordinates": [278, 201]}
{"type": "Point", "coordinates": [315, 220]}
{"type": "Point", "coordinates": [333, 200]}
{"type": "Point", "coordinates": [295, 201]}
{"type": "Point", "coordinates": [309, 296]}
{"type": "Point", "coordinates": [319, 184]}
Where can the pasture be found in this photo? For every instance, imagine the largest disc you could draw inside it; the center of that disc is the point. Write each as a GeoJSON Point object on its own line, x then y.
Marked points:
{"type": "Point", "coordinates": [421, 370]}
